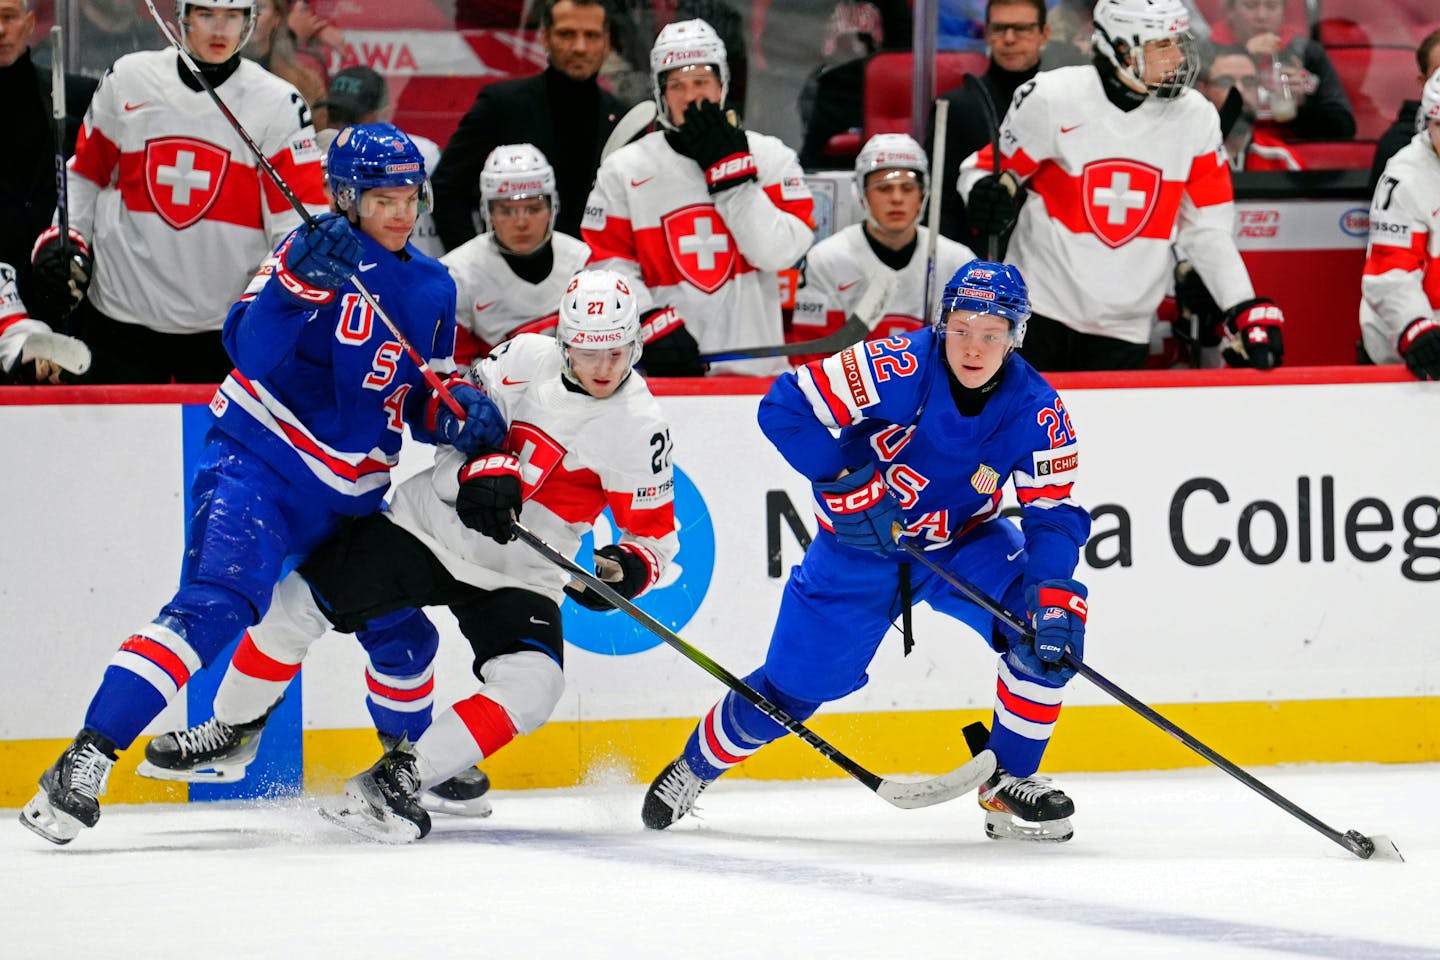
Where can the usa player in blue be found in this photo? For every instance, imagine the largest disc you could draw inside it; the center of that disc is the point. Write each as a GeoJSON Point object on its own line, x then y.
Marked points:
{"type": "Point", "coordinates": [917, 435]}
{"type": "Point", "coordinates": [306, 430]}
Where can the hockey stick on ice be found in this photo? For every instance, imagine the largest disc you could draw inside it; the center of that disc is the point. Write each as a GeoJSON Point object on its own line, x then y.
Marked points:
{"type": "Point", "coordinates": [636, 119]}
{"type": "Point", "coordinates": [1377, 846]}
{"type": "Point", "coordinates": [264, 164]}
{"type": "Point", "coordinates": [992, 123]}
{"type": "Point", "coordinates": [932, 246]}
{"type": "Point", "coordinates": [906, 795]}
{"type": "Point", "coordinates": [868, 311]}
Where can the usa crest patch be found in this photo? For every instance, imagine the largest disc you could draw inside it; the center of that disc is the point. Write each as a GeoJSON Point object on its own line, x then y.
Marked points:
{"type": "Point", "coordinates": [985, 480]}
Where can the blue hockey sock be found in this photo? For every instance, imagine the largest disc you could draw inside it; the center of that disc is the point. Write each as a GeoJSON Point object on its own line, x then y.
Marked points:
{"type": "Point", "coordinates": [734, 729]}
{"type": "Point", "coordinates": [123, 706]}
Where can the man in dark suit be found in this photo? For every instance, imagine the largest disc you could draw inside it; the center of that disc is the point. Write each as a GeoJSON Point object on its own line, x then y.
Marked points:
{"type": "Point", "coordinates": [562, 111]}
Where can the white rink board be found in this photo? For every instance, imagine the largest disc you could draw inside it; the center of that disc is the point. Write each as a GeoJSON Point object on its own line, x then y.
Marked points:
{"type": "Point", "coordinates": [83, 568]}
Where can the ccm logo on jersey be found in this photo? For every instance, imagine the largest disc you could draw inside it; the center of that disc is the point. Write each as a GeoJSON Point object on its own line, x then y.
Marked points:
{"type": "Point", "coordinates": [732, 166]}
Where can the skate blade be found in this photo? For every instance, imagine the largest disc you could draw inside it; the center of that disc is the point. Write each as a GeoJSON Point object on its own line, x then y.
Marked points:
{"type": "Point", "coordinates": [1002, 826]}
{"type": "Point", "coordinates": [475, 809]}
{"type": "Point", "coordinates": [217, 774]}
{"type": "Point", "coordinates": [43, 820]}
{"type": "Point", "coordinates": [363, 821]}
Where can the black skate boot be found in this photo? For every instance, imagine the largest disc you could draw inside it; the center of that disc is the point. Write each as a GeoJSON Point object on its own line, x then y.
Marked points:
{"type": "Point", "coordinates": [70, 790]}
{"type": "Point", "coordinates": [671, 795]}
{"type": "Point", "coordinates": [463, 795]}
{"type": "Point", "coordinates": [383, 803]}
{"type": "Point", "coordinates": [210, 752]}
{"type": "Point", "coordinates": [1044, 809]}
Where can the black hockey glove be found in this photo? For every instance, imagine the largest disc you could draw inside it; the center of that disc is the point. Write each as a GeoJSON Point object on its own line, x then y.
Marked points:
{"type": "Point", "coordinates": [62, 274]}
{"type": "Point", "coordinates": [669, 349]}
{"type": "Point", "coordinates": [490, 494]}
{"type": "Point", "coordinates": [622, 569]}
{"type": "Point", "coordinates": [717, 145]}
{"type": "Point", "coordinates": [1200, 315]}
{"type": "Point", "coordinates": [1254, 337]}
{"type": "Point", "coordinates": [994, 205]}
{"type": "Point", "coordinates": [1420, 346]}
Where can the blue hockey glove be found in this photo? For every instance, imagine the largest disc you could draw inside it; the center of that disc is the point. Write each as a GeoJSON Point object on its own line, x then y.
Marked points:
{"type": "Point", "coordinates": [319, 259]}
{"type": "Point", "coordinates": [482, 427]}
{"type": "Point", "coordinates": [862, 510]}
{"type": "Point", "coordinates": [1058, 611]}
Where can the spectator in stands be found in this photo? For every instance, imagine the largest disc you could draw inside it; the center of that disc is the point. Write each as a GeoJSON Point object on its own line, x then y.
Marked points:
{"type": "Point", "coordinates": [1321, 108]}
{"type": "Point", "coordinates": [275, 47]}
{"type": "Point", "coordinates": [313, 33]}
{"type": "Point", "coordinates": [833, 99]}
{"type": "Point", "coordinates": [1231, 69]}
{"type": "Point", "coordinates": [1400, 288]}
{"type": "Point", "coordinates": [27, 164]}
{"type": "Point", "coordinates": [702, 214]}
{"type": "Point", "coordinates": [563, 112]}
{"type": "Point", "coordinates": [359, 95]}
{"type": "Point", "coordinates": [1407, 122]}
{"type": "Point", "coordinates": [107, 30]}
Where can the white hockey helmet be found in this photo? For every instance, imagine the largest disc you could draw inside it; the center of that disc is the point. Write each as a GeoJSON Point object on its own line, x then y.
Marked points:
{"type": "Point", "coordinates": [517, 171]}
{"type": "Point", "coordinates": [891, 151]}
{"type": "Point", "coordinates": [686, 43]}
{"type": "Point", "coordinates": [598, 311]}
{"type": "Point", "coordinates": [248, 6]}
{"type": "Point", "coordinates": [1124, 27]}
{"type": "Point", "coordinates": [1430, 99]}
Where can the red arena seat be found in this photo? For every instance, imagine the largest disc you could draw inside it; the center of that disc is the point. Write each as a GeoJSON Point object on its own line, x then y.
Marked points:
{"type": "Point", "coordinates": [1377, 80]}
{"type": "Point", "coordinates": [887, 86]}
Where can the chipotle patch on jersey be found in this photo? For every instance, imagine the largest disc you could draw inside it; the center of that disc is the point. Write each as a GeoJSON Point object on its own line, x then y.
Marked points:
{"type": "Point", "coordinates": [854, 373]}
{"type": "Point", "coordinates": [1053, 463]}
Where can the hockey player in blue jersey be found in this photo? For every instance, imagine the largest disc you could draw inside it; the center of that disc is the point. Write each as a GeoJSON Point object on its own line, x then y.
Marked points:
{"type": "Point", "coordinates": [918, 434]}
{"type": "Point", "coordinates": [306, 430]}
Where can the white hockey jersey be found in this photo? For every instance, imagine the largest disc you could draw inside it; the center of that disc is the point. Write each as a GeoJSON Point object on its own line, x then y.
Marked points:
{"type": "Point", "coordinates": [714, 259]}
{"type": "Point", "coordinates": [839, 268]}
{"type": "Point", "coordinates": [1109, 191]}
{"type": "Point", "coordinates": [578, 455]}
{"type": "Point", "coordinates": [169, 197]}
{"type": "Point", "coordinates": [1401, 282]}
{"type": "Point", "coordinates": [492, 302]}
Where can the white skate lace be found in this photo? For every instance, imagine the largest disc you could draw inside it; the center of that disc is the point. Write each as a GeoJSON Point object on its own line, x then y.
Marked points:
{"type": "Point", "coordinates": [1023, 787]}
{"type": "Point", "coordinates": [90, 771]}
{"type": "Point", "coordinates": [680, 789]}
{"type": "Point", "coordinates": [210, 735]}
{"type": "Point", "coordinates": [407, 778]}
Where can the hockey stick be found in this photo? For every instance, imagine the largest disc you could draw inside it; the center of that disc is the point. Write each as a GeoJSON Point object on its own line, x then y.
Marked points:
{"type": "Point", "coordinates": [264, 164]}
{"type": "Point", "coordinates": [635, 120]}
{"type": "Point", "coordinates": [907, 796]}
{"type": "Point", "coordinates": [992, 123]}
{"type": "Point", "coordinates": [62, 180]}
{"type": "Point", "coordinates": [868, 311]}
{"type": "Point", "coordinates": [937, 169]}
{"type": "Point", "coordinates": [1378, 846]}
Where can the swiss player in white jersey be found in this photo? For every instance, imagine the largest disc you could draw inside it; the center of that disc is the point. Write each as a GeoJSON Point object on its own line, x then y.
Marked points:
{"type": "Point", "coordinates": [1400, 303]}
{"type": "Point", "coordinates": [891, 182]}
{"type": "Point", "coordinates": [1121, 158]}
{"type": "Point", "coordinates": [168, 209]}
{"type": "Point", "coordinates": [30, 352]}
{"type": "Point", "coordinates": [509, 278]}
{"type": "Point", "coordinates": [585, 434]}
{"type": "Point", "coordinates": [702, 214]}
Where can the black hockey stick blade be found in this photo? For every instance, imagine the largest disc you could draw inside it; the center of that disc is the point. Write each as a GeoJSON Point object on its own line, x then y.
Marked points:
{"type": "Point", "coordinates": [1230, 111]}
{"type": "Point", "coordinates": [904, 794]}
{"type": "Point", "coordinates": [1377, 847]}
{"type": "Point", "coordinates": [868, 311]}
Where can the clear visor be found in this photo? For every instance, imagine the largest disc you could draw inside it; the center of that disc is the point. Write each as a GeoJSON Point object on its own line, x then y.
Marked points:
{"type": "Point", "coordinates": [394, 203]}
{"type": "Point", "coordinates": [982, 330]}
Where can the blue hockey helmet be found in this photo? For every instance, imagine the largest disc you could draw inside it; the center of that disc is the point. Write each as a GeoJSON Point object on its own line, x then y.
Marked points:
{"type": "Point", "coordinates": [373, 155]}
{"type": "Point", "coordinates": [984, 286]}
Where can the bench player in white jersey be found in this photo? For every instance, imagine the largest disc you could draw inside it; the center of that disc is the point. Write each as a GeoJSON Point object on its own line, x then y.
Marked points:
{"type": "Point", "coordinates": [891, 182]}
{"type": "Point", "coordinates": [169, 214]}
{"type": "Point", "coordinates": [1121, 158]}
{"type": "Point", "coordinates": [1400, 303]}
{"type": "Point", "coordinates": [702, 214]}
{"type": "Point", "coordinates": [510, 277]}
{"type": "Point", "coordinates": [30, 352]}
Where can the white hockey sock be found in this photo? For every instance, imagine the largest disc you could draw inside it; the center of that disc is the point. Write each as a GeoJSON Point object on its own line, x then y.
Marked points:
{"type": "Point", "coordinates": [270, 653]}
{"type": "Point", "coordinates": [460, 737]}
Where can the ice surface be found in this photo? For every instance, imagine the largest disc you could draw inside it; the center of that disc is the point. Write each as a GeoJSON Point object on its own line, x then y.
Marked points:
{"type": "Point", "coordinates": [1177, 864]}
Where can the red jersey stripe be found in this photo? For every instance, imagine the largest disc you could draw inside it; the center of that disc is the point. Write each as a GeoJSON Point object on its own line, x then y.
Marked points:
{"type": "Point", "coordinates": [1055, 492]}
{"type": "Point", "coordinates": [1065, 202]}
{"type": "Point", "coordinates": [575, 496]}
{"type": "Point", "coordinates": [237, 201]}
{"type": "Point", "coordinates": [802, 209]}
{"type": "Point", "coordinates": [1382, 258]}
{"type": "Point", "coordinates": [96, 156]}
{"type": "Point", "coordinates": [838, 410]}
{"type": "Point", "coordinates": [160, 655]}
{"type": "Point", "coordinates": [1209, 181]}
{"type": "Point", "coordinates": [616, 239]}
{"type": "Point", "coordinates": [306, 445]}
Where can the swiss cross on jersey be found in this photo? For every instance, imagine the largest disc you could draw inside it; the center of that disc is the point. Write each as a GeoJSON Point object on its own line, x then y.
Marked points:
{"type": "Point", "coordinates": [1119, 197]}
{"type": "Point", "coordinates": [700, 245]}
{"type": "Point", "coordinates": [183, 177]}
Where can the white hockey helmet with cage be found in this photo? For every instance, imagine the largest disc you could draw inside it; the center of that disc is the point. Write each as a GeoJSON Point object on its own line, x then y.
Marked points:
{"type": "Point", "coordinates": [599, 311]}
{"type": "Point", "coordinates": [890, 151]}
{"type": "Point", "coordinates": [248, 7]}
{"type": "Point", "coordinates": [1124, 27]}
{"type": "Point", "coordinates": [518, 171]}
{"type": "Point", "coordinates": [687, 43]}
{"type": "Point", "coordinates": [1430, 99]}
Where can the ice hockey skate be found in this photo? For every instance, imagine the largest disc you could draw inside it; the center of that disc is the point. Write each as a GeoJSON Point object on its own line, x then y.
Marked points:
{"type": "Point", "coordinates": [1025, 808]}
{"type": "Point", "coordinates": [210, 752]}
{"type": "Point", "coordinates": [463, 795]}
{"type": "Point", "coordinates": [671, 795]}
{"type": "Point", "coordinates": [383, 803]}
{"type": "Point", "coordinates": [69, 793]}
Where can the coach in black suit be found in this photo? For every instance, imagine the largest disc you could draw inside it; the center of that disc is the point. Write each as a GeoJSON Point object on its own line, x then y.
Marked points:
{"type": "Point", "coordinates": [562, 111]}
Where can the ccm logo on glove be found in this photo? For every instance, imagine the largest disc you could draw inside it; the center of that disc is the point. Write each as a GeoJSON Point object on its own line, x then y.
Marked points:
{"type": "Point", "coordinates": [857, 500]}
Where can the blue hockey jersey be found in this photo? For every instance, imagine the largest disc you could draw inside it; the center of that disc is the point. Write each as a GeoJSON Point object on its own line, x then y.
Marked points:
{"type": "Point", "coordinates": [890, 403]}
{"type": "Point", "coordinates": [322, 389]}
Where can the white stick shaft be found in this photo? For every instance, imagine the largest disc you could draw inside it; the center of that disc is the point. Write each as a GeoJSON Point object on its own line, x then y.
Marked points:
{"type": "Point", "coordinates": [937, 173]}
